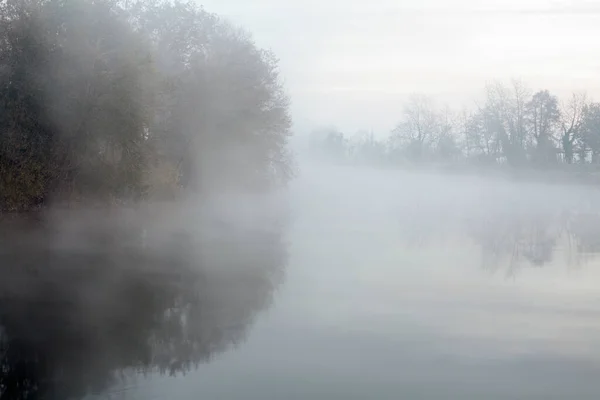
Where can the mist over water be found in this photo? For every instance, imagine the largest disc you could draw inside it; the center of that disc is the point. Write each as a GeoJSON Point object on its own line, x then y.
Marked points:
{"type": "Point", "coordinates": [143, 148]}
{"type": "Point", "coordinates": [380, 284]}
{"type": "Point", "coordinates": [417, 285]}
{"type": "Point", "coordinates": [90, 298]}
{"type": "Point", "coordinates": [159, 238]}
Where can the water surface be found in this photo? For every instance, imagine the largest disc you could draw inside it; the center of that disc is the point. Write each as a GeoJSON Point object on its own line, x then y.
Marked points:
{"type": "Point", "coordinates": [417, 286]}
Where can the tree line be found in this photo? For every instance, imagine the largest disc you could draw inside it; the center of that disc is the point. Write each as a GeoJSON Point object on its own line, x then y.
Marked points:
{"type": "Point", "coordinates": [512, 125]}
{"type": "Point", "coordinates": [115, 101]}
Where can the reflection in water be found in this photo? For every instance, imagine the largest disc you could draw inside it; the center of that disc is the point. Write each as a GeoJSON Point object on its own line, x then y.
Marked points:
{"type": "Point", "coordinates": [365, 315]}
{"type": "Point", "coordinates": [585, 233]}
{"type": "Point", "coordinates": [515, 241]}
{"type": "Point", "coordinates": [509, 241]}
{"type": "Point", "coordinates": [88, 298]}
{"type": "Point", "coordinates": [510, 231]}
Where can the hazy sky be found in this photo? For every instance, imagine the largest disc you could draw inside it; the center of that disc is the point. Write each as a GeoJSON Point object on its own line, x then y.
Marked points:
{"type": "Point", "coordinates": [351, 63]}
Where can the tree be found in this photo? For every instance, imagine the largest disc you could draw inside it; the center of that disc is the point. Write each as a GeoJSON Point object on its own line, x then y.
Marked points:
{"type": "Point", "coordinates": [571, 121]}
{"type": "Point", "coordinates": [446, 146]}
{"type": "Point", "coordinates": [329, 143]}
{"type": "Point", "coordinates": [418, 127]}
{"type": "Point", "coordinates": [590, 129]}
{"type": "Point", "coordinates": [74, 103]}
{"type": "Point", "coordinates": [543, 117]}
{"type": "Point", "coordinates": [96, 95]}
{"type": "Point", "coordinates": [481, 137]}
{"type": "Point", "coordinates": [505, 110]}
{"type": "Point", "coordinates": [223, 105]}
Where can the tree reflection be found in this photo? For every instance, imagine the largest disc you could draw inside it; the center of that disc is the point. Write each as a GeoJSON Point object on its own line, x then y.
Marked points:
{"type": "Point", "coordinates": [85, 301]}
{"type": "Point", "coordinates": [584, 232]}
{"type": "Point", "coordinates": [510, 237]}
{"type": "Point", "coordinates": [511, 241]}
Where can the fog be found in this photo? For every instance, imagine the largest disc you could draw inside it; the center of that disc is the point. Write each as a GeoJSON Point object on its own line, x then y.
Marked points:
{"type": "Point", "coordinates": [422, 286]}
{"type": "Point", "coordinates": [163, 234]}
{"type": "Point", "coordinates": [89, 296]}
{"type": "Point", "coordinates": [383, 283]}
{"type": "Point", "coordinates": [140, 232]}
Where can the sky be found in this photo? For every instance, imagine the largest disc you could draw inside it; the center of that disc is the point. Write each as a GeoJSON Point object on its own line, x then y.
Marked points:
{"type": "Point", "coordinates": [352, 63]}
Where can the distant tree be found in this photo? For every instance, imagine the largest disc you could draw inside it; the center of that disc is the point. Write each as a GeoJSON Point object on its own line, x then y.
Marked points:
{"type": "Point", "coordinates": [418, 126]}
{"type": "Point", "coordinates": [571, 122]}
{"type": "Point", "coordinates": [329, 143]}
{"type": "Point", "coordinates": [480, 136]}
{"type": "Point", "coordinates": [590, 130]}
{"type": "Point", "coordinates": [447, 148]}
{"type": "Point", "coordinates": [395, 149]}
{"type": "Point", "coordinates": [505, 108]}
{"type": "Point", "coordinates": [517, 124]}
{"type": "Point", "coordinates": [463, 139]}
{"type": "Point", "coordinates": [543, 117]}
{"type": "Point", "coordinates": [446, 145]}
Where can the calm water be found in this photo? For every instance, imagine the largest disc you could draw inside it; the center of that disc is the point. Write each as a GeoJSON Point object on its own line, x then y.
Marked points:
{"type": "Point", "coordinates": [386, 285]}
{"type": "Point", "coordinates": [417, 287]}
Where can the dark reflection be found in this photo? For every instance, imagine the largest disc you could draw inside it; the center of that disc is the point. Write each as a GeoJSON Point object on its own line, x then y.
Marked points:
{"type": "Point", "coordinates": [87, 298]}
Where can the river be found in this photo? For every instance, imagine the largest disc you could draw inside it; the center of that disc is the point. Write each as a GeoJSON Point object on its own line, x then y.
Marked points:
{"type": "Point", "coordinates": [416, 286]}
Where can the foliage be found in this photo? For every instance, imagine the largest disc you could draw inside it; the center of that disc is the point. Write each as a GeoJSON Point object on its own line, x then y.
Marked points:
{"type": "Point", "coordinates": [97, 95]}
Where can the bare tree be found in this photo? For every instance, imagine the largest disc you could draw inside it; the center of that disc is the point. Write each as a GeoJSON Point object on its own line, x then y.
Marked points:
{"type": "Point", "coordinates": [446, 144]}
{"type": "Point", "coordinates": [571, 121]}
{"type": "Point", "coordinates": [462, 124]}
{"type": "Point", "coordinates": [518, 102]}
{"type": "Point", "coordinates": [505, 110]}
{"type": "Point", "coordinates": [480, 135]}
{"type": "Point", "coordinates": [418, 126]}
{"type": "Point", "coordinates": [543, 117]}
{"type": "Point", "coordinates": [590, 130]}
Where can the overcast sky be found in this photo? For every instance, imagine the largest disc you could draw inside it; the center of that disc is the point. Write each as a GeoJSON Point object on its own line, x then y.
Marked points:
{"type": "Point", "coordinates": [351, 63]}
